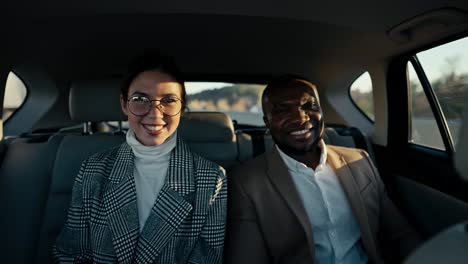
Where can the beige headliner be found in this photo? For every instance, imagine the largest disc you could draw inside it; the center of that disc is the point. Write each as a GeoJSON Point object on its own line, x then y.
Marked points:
{"type": "Point", "coordinates": [319, 39]}
{"type": "Point", "coordinates": [329, 42]}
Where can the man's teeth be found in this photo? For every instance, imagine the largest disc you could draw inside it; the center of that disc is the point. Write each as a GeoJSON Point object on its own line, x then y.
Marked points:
{"type": "Point", "coordinates": [300, 132]}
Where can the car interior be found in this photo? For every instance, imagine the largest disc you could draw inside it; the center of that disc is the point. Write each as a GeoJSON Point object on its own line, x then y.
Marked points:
{"type": "Point", "coordinates": [70, 57]}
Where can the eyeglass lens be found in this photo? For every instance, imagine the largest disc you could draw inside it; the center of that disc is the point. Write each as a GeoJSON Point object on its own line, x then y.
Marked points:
{"type": "Point", "coordinates": [140, 105]}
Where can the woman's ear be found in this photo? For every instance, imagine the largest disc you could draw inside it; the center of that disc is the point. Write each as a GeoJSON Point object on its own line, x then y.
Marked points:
{"type": "Point", "coordinates": [123, 104]}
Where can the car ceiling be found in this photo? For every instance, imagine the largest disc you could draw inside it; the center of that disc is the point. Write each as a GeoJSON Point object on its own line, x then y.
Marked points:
{"type": "Point", "coordinates": [210, 39]}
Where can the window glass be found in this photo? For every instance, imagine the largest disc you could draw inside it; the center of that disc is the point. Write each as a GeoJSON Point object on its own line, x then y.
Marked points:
{"type": "Point", "coordinates": [361, 94]}
{"type": "Point", "coordinates": [242, 102]}
{"type": "Point", "coordinates": [15, 94]}
{"type": "Point", "coordinates": [423, 126]}
{"type": "Point", "coordinates": [446, 68]}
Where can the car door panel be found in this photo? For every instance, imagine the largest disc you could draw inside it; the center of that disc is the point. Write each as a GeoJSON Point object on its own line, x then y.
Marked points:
{"type": "Point", "coordinates": [433, 210]}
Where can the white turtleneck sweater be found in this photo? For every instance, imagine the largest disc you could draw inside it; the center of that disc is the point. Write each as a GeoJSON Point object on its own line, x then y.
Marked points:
{"type": "Point", "coordinates": [150, 169]}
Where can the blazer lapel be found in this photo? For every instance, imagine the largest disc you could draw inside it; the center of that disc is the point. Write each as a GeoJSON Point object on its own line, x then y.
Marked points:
{"type": "Point", "coordinates": [350, 187]}
{"type": "Point", "coordinates": [121, 206]}
{"type": "Point", "coordinates": [281, 179]}
{"type": "Point", "coordinates": [170, 208]}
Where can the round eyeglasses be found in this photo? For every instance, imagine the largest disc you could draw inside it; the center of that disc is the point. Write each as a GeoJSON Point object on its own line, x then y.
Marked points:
{"type": "Point", "coordinates": [142, 105]}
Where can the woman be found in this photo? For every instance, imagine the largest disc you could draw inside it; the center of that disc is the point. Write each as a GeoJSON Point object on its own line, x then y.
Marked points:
{"type": "Point", "coordinates": [149, 200]}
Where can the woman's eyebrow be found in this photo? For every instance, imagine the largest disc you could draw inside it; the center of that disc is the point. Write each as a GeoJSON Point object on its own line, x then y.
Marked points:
{"type": "Point", "coordinates": [139, 94]}
{"type": "Point", "coordinates": [169, 94]}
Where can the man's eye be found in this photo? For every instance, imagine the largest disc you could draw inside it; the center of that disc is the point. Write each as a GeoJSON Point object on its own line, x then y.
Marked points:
{"type": "Point", "coordinates": [310, 106]}
{"type": "Point", "coordinates": [279, 110]}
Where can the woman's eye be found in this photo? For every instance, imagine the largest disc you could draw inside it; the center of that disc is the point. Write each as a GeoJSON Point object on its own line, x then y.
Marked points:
{"type": "Point", "coordinates": [140, 100]}
{"type": "Point", "coordinates": [168, 100]}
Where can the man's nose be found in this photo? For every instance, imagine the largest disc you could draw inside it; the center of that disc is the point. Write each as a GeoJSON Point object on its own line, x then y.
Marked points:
{"type": "Point", "coordinates": [300, 114]}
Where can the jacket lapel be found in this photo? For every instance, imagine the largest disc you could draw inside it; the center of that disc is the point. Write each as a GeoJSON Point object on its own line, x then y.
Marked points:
{"type": "Point", "coordinates": [170, 208]}
{"type": "Point", "coordinates": [280, 177]}
{"type": "Point", "coordinates": [350, 187]}
{"type": "Point", "coordinates": [121, 206]}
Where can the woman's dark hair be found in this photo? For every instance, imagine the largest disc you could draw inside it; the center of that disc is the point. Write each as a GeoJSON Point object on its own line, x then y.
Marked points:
{"type": "Point", "coordinates": [150, 61]}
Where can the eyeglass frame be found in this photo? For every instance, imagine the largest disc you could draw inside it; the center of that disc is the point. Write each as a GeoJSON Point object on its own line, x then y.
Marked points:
{"type": "Point", "coordinates": [159, 106]}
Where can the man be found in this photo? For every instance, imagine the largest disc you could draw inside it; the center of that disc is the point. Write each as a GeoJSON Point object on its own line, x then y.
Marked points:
{"type": "Point", "coordinates": [308, 202]}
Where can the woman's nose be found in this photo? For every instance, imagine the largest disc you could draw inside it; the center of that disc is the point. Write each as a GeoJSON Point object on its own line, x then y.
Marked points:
{"type": "Point", "coordinates": [156, 109]}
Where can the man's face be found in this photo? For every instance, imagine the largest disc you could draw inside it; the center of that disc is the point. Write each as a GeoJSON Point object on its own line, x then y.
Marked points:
{"type": "Point", "coordinates": [294, 117]}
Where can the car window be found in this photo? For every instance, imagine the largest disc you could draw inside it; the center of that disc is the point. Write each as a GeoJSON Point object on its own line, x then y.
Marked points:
{"type": "Point", "coordinates": [361, 95]}
{"type": "Point", "coordinates": [446, 69]}
{"type": "Point", "coordinates": [240, 101]}
{"type": "Point", "coordinates": [15, 94]}
{"type": "Point", "coordinates": [423, 129]}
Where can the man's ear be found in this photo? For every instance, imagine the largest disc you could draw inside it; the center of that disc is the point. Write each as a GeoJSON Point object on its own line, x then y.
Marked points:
{"type": "Point", "coordinates": [265, 120]}
{"type": "Point", "coordinates": [123, 104]}
{"type": "Point", "coordinates": [317, 97]}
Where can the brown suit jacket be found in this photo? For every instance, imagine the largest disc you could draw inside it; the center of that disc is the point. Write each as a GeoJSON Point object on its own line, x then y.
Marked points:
{"type": "Point", "coordinates": [267, 222]}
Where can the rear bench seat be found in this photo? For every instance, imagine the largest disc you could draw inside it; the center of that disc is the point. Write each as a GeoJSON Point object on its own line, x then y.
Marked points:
{"type": "Point", "coordinates": [259, 140]}
{"type": "Point", "coordinates": [37, 174]}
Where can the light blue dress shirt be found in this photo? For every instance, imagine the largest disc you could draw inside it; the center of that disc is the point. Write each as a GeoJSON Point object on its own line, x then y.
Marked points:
{"type": "Point", "coordinates": [335, 231]}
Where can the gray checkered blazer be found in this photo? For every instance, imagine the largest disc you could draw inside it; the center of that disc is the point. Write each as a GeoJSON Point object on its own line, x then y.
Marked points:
{"type": "Point", "coordinates": [186, 223]}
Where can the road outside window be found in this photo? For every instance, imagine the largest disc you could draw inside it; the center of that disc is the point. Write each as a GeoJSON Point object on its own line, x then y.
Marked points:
{"type": "Point", "coordinates": [446, 68]}
{"type": "Point", "coordinates": [423, 126]}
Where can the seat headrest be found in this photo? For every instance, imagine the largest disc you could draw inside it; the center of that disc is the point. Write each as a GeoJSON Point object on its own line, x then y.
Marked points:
{"type": "Point", "coordinates": [95, 101]}
{"type": "Point", "coordinates": [461, 152]}
{"type": "Point", "coordinates": [206, 127]}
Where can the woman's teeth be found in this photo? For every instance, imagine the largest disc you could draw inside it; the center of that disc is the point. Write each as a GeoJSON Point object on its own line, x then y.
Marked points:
{"type": "Point", "coordinates": [153, 128]}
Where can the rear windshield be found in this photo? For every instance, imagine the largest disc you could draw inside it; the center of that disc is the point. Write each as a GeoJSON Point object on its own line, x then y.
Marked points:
{"type": "Point", "coordinates": [241, 101]}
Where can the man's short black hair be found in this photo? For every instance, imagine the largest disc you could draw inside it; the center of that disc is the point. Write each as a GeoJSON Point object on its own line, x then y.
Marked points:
{"type": "Point", "coordinates": [282, 81]}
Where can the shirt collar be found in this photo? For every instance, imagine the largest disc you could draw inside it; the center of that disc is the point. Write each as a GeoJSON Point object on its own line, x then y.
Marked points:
{"type": "Point", "coordinates": [295, 165]}
{"type": "Point", "coordinates": [151, 153]}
